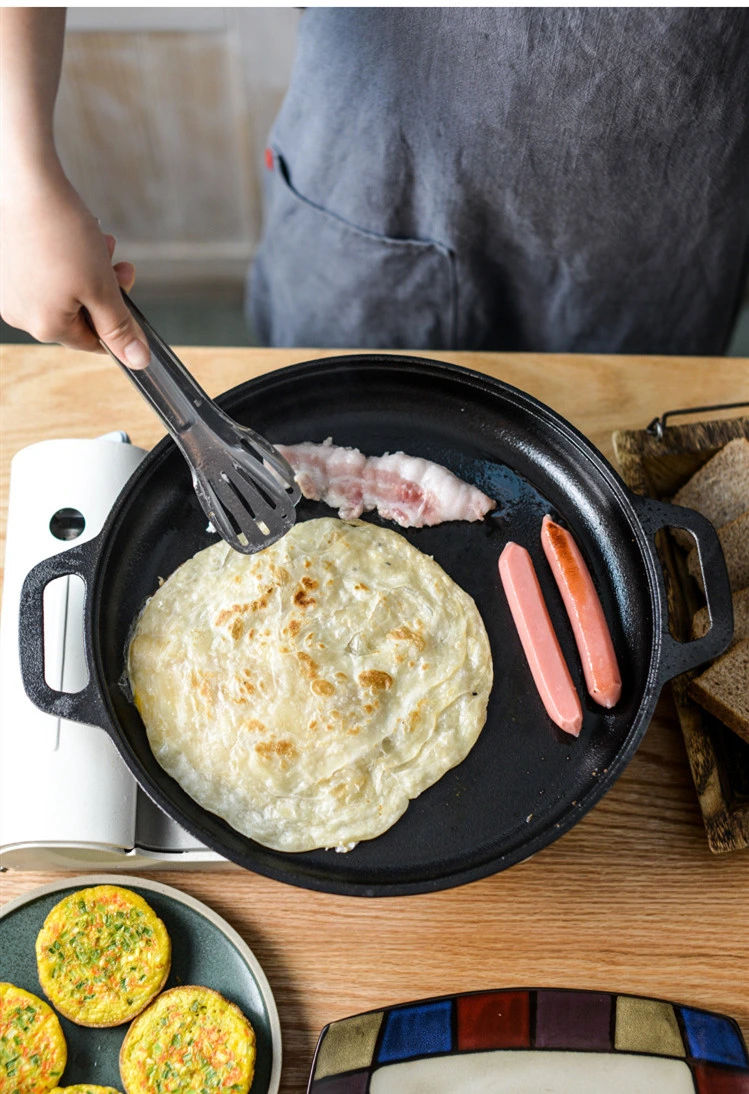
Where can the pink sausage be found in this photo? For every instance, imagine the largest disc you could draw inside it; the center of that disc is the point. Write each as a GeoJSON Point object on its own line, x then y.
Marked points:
{"type": "Point", "coordinates": [539, 641]}
{"type": "Point", "coordinates": [583, 606]}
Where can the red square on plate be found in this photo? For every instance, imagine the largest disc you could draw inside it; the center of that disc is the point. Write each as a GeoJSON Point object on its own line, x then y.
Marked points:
{"type": "Point", "coordinates": [717, 1080]}
{"type": "Point", "coordinates": [497, 1019]}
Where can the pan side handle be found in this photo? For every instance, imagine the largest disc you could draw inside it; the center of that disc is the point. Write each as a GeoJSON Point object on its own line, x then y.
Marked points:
{"type": "Point", "coordinates": [677, 657]}
{"type": "Point", "coordinates": [85, 706]}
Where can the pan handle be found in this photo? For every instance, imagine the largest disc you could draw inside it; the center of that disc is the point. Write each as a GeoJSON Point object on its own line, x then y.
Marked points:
{"type": "Point", "coordinates": [677, 657]}
{"type": "Point", "coordinates": [85, 706]}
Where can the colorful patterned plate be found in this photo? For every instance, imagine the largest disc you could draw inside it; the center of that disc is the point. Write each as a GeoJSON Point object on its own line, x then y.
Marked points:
{"type": "Point", "coordinates": [525, 1042]}
{"type": "Point", "coordinates": [205, 950]}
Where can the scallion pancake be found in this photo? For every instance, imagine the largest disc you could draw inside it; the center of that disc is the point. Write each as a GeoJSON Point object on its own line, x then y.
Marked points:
{"type": "Point", "coordinates": [306, 693]}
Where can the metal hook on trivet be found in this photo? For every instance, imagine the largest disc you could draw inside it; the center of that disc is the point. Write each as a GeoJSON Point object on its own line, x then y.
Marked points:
{"type": "Point", "coordinates": [658, 425]}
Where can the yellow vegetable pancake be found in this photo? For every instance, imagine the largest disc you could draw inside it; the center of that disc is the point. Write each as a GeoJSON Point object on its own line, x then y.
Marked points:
{"type": "Point", "coordinates": [33, 1052]}
{"type": "Point", "coordinates": [190, 1039]}
{"type": "Point", "coordinates": [84, 1088]}
{"type": "Point", "coordinates": [102, 954]}
{"type": "Point", "coordinates": [306, 693]}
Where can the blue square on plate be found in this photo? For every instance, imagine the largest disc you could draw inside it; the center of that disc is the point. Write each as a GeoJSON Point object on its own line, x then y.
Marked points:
{"type": "Point", "coordinates": [417, 1031]}
{"type": "Point", "coordinates": [711, 1037]}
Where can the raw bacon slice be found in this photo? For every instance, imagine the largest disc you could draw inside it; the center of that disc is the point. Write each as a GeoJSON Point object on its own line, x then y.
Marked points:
{"type": "Point", "coordinates": [602, 677]}
{"type": "Point", "coordinates": [409, 490]}
{"type": "Point", "coordinates": [539, 641]}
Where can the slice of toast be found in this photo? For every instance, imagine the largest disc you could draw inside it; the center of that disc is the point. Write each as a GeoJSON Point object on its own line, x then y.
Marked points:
{"type": "Point", "coordinates": [734, 539]}
{"type": "Point", "coordinates": [701, 619]}
{"type": "Point", "coordinates": [719, 490]}
{"type": "Point", "coordinates": [723, 689]}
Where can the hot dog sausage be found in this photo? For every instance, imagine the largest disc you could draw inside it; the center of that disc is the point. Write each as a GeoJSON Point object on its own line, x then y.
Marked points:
{"type": "Point", "coordinates": [583, 605]}
{"type": "Point", "coordinates": [542, 649]}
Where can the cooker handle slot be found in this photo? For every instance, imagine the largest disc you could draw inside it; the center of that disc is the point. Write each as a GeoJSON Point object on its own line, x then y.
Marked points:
{"type": "Point", "coordinates": [87, 705]}
{"type": "Point", "coordinates": [678, 657]}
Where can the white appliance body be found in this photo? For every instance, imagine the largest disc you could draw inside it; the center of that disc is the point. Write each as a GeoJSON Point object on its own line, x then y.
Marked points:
{"type": "Point", "coordinates": [67, 799]}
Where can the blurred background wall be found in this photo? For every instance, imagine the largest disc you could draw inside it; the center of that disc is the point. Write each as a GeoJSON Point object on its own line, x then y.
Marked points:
{"type": "Point", "coordinates": [161, 124]}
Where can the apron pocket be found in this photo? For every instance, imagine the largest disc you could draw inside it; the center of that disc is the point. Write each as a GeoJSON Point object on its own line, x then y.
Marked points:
{"type": "Point", "coordinates": [319, 280]}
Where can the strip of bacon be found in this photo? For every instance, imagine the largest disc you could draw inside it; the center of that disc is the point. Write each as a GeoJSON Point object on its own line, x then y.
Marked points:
{"type": "Point", "coordinates": [409, 490]}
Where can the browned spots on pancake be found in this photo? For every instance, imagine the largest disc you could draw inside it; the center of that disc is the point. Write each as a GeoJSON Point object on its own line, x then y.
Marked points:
{"type": "Point", "coordinates": [405, 634]}
{"type": "Point", "coordinates": [353, 731]}
{"type": "Point", "coordinates": [309, 667]}
{"type": "Point", "coordinates": [295, 625]}
{"type": "Point", "coordinates": [226, 614]}
{"type": "Point", "coordinates": [375, 679]}
{"type": "Point", "coordinates": [370, 708]}
{"type": "Point", "coordinates": [199, 681]}
{"type": "Point", "coordinates": [254, 725]}
{"type": "Point", "coordinates": [302, 597]}
{"type": "Point", "coordinates": [285, 750]}
{"type": "Point", "coordinates": [413, 718]}
{"type": "Point", "coordinates": [309, 670]}
{"type": "Point", "coordinates": [360, 585]}
{"type": "Point", "coordinates": [245, 682]}
{"type": "Point", "coordinates": [307, 564]}
{"type": "Point", "coordinates": [244, 686]}
{"type": "Point", "coordinates": [261, 603]}
{"type": "Point", "coordinates": [235, 629]}
{"type": "Point", "coordinates": [341, 677]}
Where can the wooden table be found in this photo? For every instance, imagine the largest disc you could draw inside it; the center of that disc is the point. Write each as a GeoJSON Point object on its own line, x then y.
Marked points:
{"type": "Point", "coordinates": [630, 900]}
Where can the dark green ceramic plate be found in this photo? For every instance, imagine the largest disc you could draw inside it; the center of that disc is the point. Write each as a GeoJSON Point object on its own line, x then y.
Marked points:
{"type": "Point", "coordinates": [205, 950]}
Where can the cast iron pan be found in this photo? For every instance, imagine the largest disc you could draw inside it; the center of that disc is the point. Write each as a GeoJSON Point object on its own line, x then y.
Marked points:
{"type": "Point", "coordinates": [525, 782]}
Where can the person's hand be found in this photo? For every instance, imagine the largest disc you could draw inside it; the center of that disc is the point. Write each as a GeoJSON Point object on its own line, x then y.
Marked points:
{"type": "Point", "coordinates": [55, 261]}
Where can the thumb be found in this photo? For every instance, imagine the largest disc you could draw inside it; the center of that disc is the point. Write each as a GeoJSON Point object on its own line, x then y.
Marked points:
{"type": "Point", "coordinates": [117, 329]}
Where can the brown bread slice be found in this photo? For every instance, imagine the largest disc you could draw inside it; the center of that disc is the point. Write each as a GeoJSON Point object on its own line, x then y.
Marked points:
{"type": "Point", "coordinates": [734, 539]}
{"type": "Point", "coordinates": [720, 489]}
{"type": "Point", "coordinates": [701, 620]}
{"type": "Point", "coordinates": [723, 689]}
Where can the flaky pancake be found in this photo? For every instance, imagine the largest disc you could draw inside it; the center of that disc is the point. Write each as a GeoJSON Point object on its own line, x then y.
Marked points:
{"type": "Point", "coordinates": [308, 692]}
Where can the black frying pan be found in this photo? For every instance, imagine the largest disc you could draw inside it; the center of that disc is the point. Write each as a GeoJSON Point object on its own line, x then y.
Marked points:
{"type": "Point", "coordinates": [525, 782]}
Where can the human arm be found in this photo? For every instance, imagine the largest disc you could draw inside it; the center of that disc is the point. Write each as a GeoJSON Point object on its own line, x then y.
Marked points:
{"type": "Point", "coordinates": [54, 260]}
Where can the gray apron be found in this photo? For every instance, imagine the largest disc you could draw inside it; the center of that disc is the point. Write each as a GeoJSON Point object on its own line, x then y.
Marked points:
{"type": "Point", "coordinates": [509, 179]}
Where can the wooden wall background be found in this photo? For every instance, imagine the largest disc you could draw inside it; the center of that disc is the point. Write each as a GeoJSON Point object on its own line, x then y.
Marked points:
{"type": "Point", "coordinates": [161, 124]}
